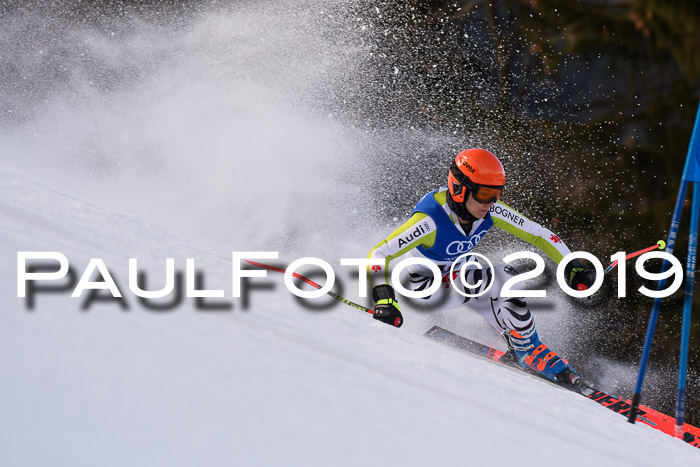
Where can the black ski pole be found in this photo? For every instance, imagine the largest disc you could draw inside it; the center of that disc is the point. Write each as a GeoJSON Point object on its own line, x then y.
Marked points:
{"type": "Point", "coordinates": [313, 284]}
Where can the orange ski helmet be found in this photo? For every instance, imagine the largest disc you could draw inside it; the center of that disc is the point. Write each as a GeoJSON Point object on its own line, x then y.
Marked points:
{"type": "Point", "coordinates": [477, 171]}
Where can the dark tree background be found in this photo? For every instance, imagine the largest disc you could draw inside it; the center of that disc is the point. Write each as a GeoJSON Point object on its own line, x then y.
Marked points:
{"type": "Point", "coordinates": [590, 104]}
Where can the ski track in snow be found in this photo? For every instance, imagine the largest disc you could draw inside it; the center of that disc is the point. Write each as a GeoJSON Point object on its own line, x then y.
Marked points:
{"type": "Point", "coordinates": [274, 384]}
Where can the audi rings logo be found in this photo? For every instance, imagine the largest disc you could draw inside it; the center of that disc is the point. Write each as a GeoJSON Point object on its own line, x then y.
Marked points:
{"type": "Point", "coordinates": [457, 247]}
{"type": "Point", "coordinates": [462, 246]}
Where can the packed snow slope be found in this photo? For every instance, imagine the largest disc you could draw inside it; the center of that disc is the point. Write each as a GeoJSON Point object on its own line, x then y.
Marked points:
{"type": "Point", "coordinates": [273, 383]}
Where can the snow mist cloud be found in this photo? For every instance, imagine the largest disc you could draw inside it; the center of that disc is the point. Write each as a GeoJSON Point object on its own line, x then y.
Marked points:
{"type": "Point", "coordinates": [211, 123]}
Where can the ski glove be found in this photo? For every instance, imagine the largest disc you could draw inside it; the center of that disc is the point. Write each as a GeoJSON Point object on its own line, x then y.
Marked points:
{"type": "Point", "coordinates": [387, 308]}
{"type": "Point", "coordinates": [578, 276]}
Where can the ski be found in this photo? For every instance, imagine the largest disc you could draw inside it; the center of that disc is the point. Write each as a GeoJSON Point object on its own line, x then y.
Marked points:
{"type": "Point", "coordinates": [650, 417]}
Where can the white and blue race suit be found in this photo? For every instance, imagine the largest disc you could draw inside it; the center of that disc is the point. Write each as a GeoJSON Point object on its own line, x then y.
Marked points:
{"type": "Point", "coordinates": [435, 232]}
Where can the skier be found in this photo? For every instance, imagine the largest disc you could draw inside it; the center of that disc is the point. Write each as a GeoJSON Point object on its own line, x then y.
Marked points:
{"type": "Point", "coordinates": [448, 222]}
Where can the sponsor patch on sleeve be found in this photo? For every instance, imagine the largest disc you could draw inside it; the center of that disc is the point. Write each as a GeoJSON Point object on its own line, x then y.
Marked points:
{"type": "Point", "coordinates": [416, 232]}
{"type": "Point", "coordinates": [507, 214]}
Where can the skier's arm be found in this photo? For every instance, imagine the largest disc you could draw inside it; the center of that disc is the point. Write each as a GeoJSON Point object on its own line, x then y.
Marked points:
{"type": "Point", "coordinates": [512, 221]}
{"type": "Point", "coordinates": [418, 230]}
{"type": "Point", "coordinates": [515, 223]}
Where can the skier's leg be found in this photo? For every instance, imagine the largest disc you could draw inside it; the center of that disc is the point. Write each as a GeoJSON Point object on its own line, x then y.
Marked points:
{"type": "Point", "coordinates": [512, 317]}
{"type": "Point", "coordinates": [473, 292]}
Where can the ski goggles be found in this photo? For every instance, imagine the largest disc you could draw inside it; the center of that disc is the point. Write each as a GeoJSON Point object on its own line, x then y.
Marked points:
{"type": "Point", "coordinates": [483, 194]}
{"type": "Point", "coordinates": [487, 194]}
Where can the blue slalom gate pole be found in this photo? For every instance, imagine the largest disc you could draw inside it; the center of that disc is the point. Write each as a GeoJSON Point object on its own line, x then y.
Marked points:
{"type": "Point", "coordinates": [691, 173]}
{"type": "Point", "coordinates": [687, 308]}
{"type": "Point", "coordinates": [651, 328]}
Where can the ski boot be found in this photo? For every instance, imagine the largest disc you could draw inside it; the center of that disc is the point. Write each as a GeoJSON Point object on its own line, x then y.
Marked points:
{"type": "Point", "coordinates": [509, 356]}
{"type": "Point", "coordinates": [531, 353]}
